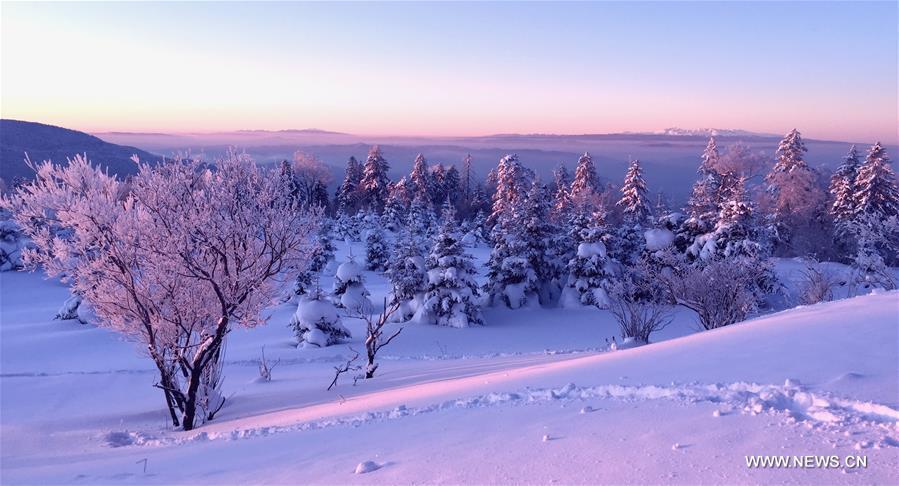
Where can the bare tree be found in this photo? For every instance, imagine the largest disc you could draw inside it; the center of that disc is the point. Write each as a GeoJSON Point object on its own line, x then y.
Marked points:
{"type": "Point", "coordinates": [376, 338]}
{"type": "Point", "coordinates": [265, 370]}
{"type": "Point", "coordinates": [347, 367]}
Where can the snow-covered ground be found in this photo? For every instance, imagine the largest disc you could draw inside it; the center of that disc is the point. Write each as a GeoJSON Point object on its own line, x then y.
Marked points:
{"type": "Point", "coordinates": [532, 397]}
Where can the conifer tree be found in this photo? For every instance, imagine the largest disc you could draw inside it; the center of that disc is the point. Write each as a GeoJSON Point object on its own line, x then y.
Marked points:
{"type": "Point", "coordinates": [586, 182]}
{"type": "Point", "coordinates": [375, 181]}
{"type": "Point", "coordinates": [347, 200]}
{"type": "Point", "coordinates": [843, 187]}
{"type": "Point", "coordinates": [876, 192]}
{"type": "Point", "coordinates": [634, 203]}
{"type": "Point", "coordinates": [407, 276]}
{"type": "Point", "coordinates": [376, 251]}
{"type": "Point", "coordinates": [452, 296]}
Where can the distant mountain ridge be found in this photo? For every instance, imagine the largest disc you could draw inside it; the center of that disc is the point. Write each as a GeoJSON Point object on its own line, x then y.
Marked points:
{"type": "Point", "coordinates": [48, 142]}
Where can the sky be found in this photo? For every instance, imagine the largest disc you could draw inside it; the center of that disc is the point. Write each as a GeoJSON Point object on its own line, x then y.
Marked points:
{"type": "Point", "coordinates": [447, 69]}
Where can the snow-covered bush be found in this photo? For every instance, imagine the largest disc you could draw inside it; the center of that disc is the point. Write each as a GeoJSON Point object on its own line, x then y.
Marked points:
{"type": "Point", "coordinates": [316, 322]}
{"type": "Point", "coordinates": [12, 243]}
{"type": "Point", "coordinates": [721, 292]}
{"type": "Point", "coordinates": [452, 296]}
{"type": "Point", "coordinates": [637, 317]}
{"type": "Point", "coordinates": [817, 283]}
{"type": "Point", "coordinates": [376, 251]}
{"type": "Point", "coordinates": [349, 288]}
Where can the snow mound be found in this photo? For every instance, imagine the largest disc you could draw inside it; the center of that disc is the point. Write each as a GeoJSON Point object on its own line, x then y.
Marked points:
{"type": "Point", "coordinates": [366, 467]}
{"type": "Point", "coordinates": [658, 239]}
{"type": "Point", "coordinates": [349, 270]}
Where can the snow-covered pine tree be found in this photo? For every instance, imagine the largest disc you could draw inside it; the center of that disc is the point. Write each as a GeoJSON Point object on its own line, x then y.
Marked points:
{"type": "Point", "coordinates": [562, 203]}
{"type": "Point", "coordinates": [420, 179]}
{"type": "Point", "coordinates": [452, 186]}
{"type": "Point", "coordinates": [438, 185]}
{"type": "Point", "coordinates": [736, 233]}
{"type": "Point", "coordinates": [421, 221]}
{"type": "Point", "coordinates": [407, 276]}
{"type": "Point", "coordinates": [629, 242]}
{"type": "Point", "coordinates": [316, 322]}
{"type": "Point", "coordinates": [510, 278]}
{"type": "Point", "coordinates": [324, 252]}
{"type": "Point", "coordinates": [466, 185]}
{"type": "Point", "coordinates": [511, 188]}
{"type": "Point", "coordinates": [452, 295]}
{"type": "Point", "coordinates": [591, 272]}
{"type": "Point", "coordinates": [375, 180]}
{"type": "Point", "coordinates": [349, 288]}
{"type": "Point", "coordinates": [347, 200]}
{"type": "Point", "coordinates": [795, 199]}
{"type": "Point", "coordinates": [876, 191]}
{"type": "Point", "coordinates": [586, 182]}
{"type": "Point", "coordinates": [634, 203]}
{"type": "Point", "coordinates": [843, 188]}
{"type": "Point", "coordinates": [703, 205]}
{"type": "Point", "coordinates": [376, 251]}
{"type": "Point", "coordinates": [397, 206]}
{"type": "Point", "coordinates": [541, 253]}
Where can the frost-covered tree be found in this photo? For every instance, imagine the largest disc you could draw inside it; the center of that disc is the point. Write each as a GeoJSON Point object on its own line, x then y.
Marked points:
{"type": "Point", "coordinates": [349, 193]}
{"type": "Point", "coordinates": [316, 322]}
{"type": "Point", "coordinates": [407, 274]}
{"type": "Point", "coordinates": [375, 180]}
{"type": "Point", "coordinates": [397, 206]}
{"type": "Point", "coordinates": [311, 178]}
{"type": "Point", "coordinates": [452, 295]}
{"type": "Point", "coordinates": [586, 182]}
{"type": "Point", "coordinates": [174, 263]}
{"type": "Point", "coordinates": [796, 201]}
{"type": "Point", "coordinates": [843, 187]}
{"type": "Point", "coordinates": [876, 191]}
{"type": "Point", "coordinates": [510, 278]}
{"type": "Point", "coordinates": [633, 203]}
{"type": "Point", "coordinates": [349, 288]}
{"type": "Point", "coordinates": [376, 251]}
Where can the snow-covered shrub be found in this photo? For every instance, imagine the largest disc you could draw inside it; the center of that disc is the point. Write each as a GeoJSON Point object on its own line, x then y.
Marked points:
{"type": "Point", "coordinates": [324, 251]}
{"type": "Point", "coordinates": [452, 297]}
{"type": "Point", "coordinates": [638, 317]}
{"type": "Point", "coordinates": [376, 250]}
{"type": "Point", "coordinates": [721, 292]}
{"type": "Point", "coordinates": [316, 322]}
{"type": "Point", "coordinates": [349, 288]}
{"type": "Point", "coordinates": [408, 277]}
{"type": "Point", "coordinates": [69, 308]}
{"type": "Point", "coordinates": [817, 283]}
{"type": "Point", "coordinates": [12, 243]}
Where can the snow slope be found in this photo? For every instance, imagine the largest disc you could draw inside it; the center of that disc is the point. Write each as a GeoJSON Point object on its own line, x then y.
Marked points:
{"type": "Point", "coordinates": [529, 398]}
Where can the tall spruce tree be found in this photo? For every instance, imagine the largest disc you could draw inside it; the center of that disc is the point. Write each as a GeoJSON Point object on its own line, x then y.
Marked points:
{"type": "Point", "coordinates": [843, 187]}
{"type": "Point", "coordinates": [375, 181]}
